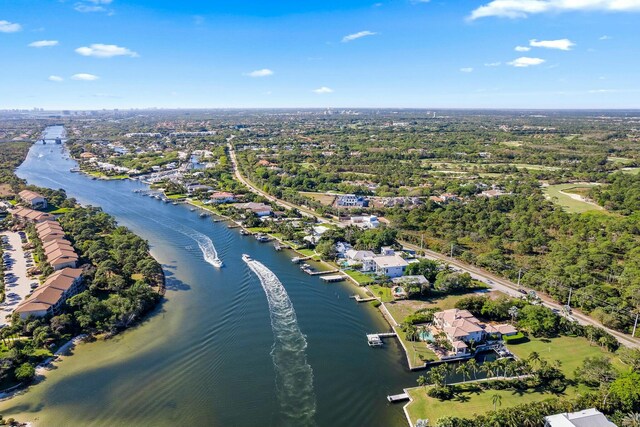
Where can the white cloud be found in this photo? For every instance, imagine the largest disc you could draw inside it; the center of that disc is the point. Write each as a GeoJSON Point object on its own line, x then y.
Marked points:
{"type": "Point", "coordinates": [323, 90]}
{"type": "Point", "coordinates": [562, 44]}
{"type": "Point", "coordinates": [466, 69]}
{"type": "Point", "coordinates": [525, 61]}
{"type": "Point", "coordinates": [85, 77]}
{"type": "Point", "coordinates": [9, 27]}
{"type": "Point", "coordinates": [55, 79]}
{"type": "Point", "coordinates": [99, 50]}
{"type": "Point", "coordinates": [357, 35]}
{"type": "Point", "coordinates": [88, 6]}
{"type": "Point", "coordinates": [44, 43]}
{"type": "Point", "coordinates": [522, 48]}
{"type": "Point", "coordinates": [523, 8]}
{"type": "Point", "coordinates": [265, 72]}
{"type": "Point", "coordinates": [605, 37]}
{"type": "Point", "coordinates": [492, 64]}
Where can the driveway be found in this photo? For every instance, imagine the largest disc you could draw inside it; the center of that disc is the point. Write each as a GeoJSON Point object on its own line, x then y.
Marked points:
{"type": "Point", "coordinates": [17, 283]}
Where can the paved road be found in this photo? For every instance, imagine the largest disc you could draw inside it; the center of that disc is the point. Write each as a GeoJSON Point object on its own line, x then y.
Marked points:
{"type": "Point", "coordinates": [503, 285]}
{"type": "Point", "coordinates": [495, 282]}
{"type": "Point", "coordinates": [18, 270]}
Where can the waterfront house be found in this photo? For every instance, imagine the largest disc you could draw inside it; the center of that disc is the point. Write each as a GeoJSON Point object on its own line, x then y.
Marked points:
{"type": "Point", "coordinates": [365, 258]}
{"type": "Point", "coordinates": [33, 199]}
{"type": "Point", "coordinates": [49, 297]}
{"type": "Point", "coordinates": [220, 197]}
{"type": "Point", "coordinates": [30, 215]}
{"type": "Point", "coordinates": [390, 265]}
{"type": "Point", "coordinates": [259, 209]}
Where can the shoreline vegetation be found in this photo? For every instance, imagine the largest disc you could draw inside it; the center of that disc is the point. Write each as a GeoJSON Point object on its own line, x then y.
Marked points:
{"type": "Point", "coordinates": [121, 284]}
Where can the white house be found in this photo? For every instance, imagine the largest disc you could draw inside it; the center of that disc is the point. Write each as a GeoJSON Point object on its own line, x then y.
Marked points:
{"type": "Point", "coordinates": [33, 199]}
{"type": "Point", "coordinates": [585, 418]}
{"type": "Point", "coordinates": [390, 265]}
{"type": "Point", "coordinates": [365, 221]}
{"type": "Point", "coordinates": [351, 200]}
{"type": "Point", "coordinates": [361, 257]}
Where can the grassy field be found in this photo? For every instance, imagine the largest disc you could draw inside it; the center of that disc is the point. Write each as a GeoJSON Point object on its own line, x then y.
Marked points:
{"type": "Point", "coordinates": [359, 277]}
{"type": "Point", "coordinates": [557, 193]}
{"type": "Point", "coordinates": [633, 171]}
{"type": "Point", "coordinates": [381, 292]}
{"type": "Point", "coordinates": [473, 402]}
{"type": "Point", "coordinates": [453, 166]}
{"type": "Point", "coordinates": [570, 351]}
{"type": "Point", "coordinates": [325, 199]}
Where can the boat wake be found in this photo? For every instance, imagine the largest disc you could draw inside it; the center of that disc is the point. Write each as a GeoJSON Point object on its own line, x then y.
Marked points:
{"type": "Point", "coordinates": [294, 376]}
{"type": "Point", "coordinates": [206, 246]}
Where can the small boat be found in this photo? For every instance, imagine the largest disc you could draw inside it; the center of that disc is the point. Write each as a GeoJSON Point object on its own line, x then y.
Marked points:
{"type": "Point", "coordinates": [246, 258]}
{"type": "Point", "coordinates": [245, 232]}
{"type": "Point", "coordinates": [175, 203]}
{"type": "Point", "coordinates": [217, 263]}
{"type": "Point", "coordinates": [204, 215]}
{"type": "Point", "coordinates": [262, 238]}
{"type": "Point", "coordinates": [192, 210]}
{"type": "Point", "coordinates": [296, 259]}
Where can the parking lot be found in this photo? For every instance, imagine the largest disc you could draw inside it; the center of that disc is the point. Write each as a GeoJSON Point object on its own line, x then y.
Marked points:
{"type": "Point", "coordinates": [17, 285]}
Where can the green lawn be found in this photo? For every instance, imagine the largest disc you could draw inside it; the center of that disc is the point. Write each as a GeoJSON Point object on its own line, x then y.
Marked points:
{"type": "Point", "coordinates": [570, 351]}
{"type": "Point", "coordinates": [307, 252]}
{"type": "Point", "coordinates": [259, 229]}
{"type": "Point", "coordinates": [633, 171]}
{"type": "Point", "coordinates": [381, 292]}
{"type": "Point", "coordinates": [176, 196]}
{"type": "Point", "coordinates": [570, 204]}
{"type": "Point", "coordinates": [359, 277]}
{"type": "Point", "coordinates": [469, 403]}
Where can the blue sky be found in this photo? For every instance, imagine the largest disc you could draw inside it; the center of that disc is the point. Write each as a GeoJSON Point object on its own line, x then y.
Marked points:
{"type": "Point", "coordinates": [81, 54]}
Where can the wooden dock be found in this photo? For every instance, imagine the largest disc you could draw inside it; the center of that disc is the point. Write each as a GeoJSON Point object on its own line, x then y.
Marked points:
{"type": "Point", "coordinates": [398, 397]}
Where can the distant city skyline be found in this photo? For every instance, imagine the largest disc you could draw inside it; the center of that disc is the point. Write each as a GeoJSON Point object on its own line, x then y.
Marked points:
{"type": "Point", "coordinates": [521, 54]}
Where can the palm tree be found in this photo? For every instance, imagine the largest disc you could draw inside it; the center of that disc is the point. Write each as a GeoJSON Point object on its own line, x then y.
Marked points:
{"type": "Point", "coordinates": [473, 367]}
{"type": "Point", "coordinates": [463, 369]}
{"type": "Point", "coordinates": [422, 381]}
{"type": "Point", "coordinates": [489, 368]}
{"type": "Point", "coordinates": [513, 312]}
{"type": "Point", "coordinates": [631, 420]}
{"type": "Point", "coordinates": [496, 399]}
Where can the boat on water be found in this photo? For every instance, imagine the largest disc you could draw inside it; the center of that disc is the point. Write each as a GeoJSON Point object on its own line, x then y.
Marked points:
{"type": "Point", "coordinates": [296, 259]}
{"type": "Point", "coordinates": [246, 258]}
{"type": "Point", "coordinates": [204, 215]}
{"type": "Point", "coordinates": [262, 238]}
{"type": "Point", "coordinates": [217, 263]}
{"type": "Point", "coordinates": [175, 203]}
{"type": "Point", "coordinates": [192, 210]}
{"type": "Point", "coordinates": [245, 232]}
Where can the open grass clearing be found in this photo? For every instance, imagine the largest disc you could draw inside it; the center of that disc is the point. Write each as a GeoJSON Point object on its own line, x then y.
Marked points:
{"type": "Point", "coordinates": [570, 351]}
{"type": "Point", "coordinates": [381, 292]}
{"type": "Point", "coordinates": [573, 203]}
{"type": "Point", "coordinates": [633, 171]}
{"type": "Point", "coordinates": [323, 198]}
{"type": "Point", "coordinates": [402, 308]}
{"type": "Point", "coordinates": [360, 277]}
{"type": "Point", "coordinates": [474, 401]}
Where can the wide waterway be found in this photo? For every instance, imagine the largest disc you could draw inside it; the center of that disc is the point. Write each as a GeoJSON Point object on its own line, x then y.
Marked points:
{"type": "Point", "coordinates": [224, 348]}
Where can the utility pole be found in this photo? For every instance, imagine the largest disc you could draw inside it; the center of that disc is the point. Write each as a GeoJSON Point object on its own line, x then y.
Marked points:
{"type": "Point", "coordinates": [451, 256]}
{"type": "Point", "coordinates": [635, 325]}
{"type": "Point", "coordinates": [421, 241]}
{"type": "Point", "coordinates": [519, 275]}
{"type": "Point", "coordinates": [569, 300]}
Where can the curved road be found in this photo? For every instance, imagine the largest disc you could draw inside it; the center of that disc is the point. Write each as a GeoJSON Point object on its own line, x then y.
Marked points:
{"type": "Point", "coordinates": [498, 283]}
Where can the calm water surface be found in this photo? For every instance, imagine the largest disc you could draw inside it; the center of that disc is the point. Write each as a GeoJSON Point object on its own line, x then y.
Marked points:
{"type": "Point", "coordinates": [224, 349]}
